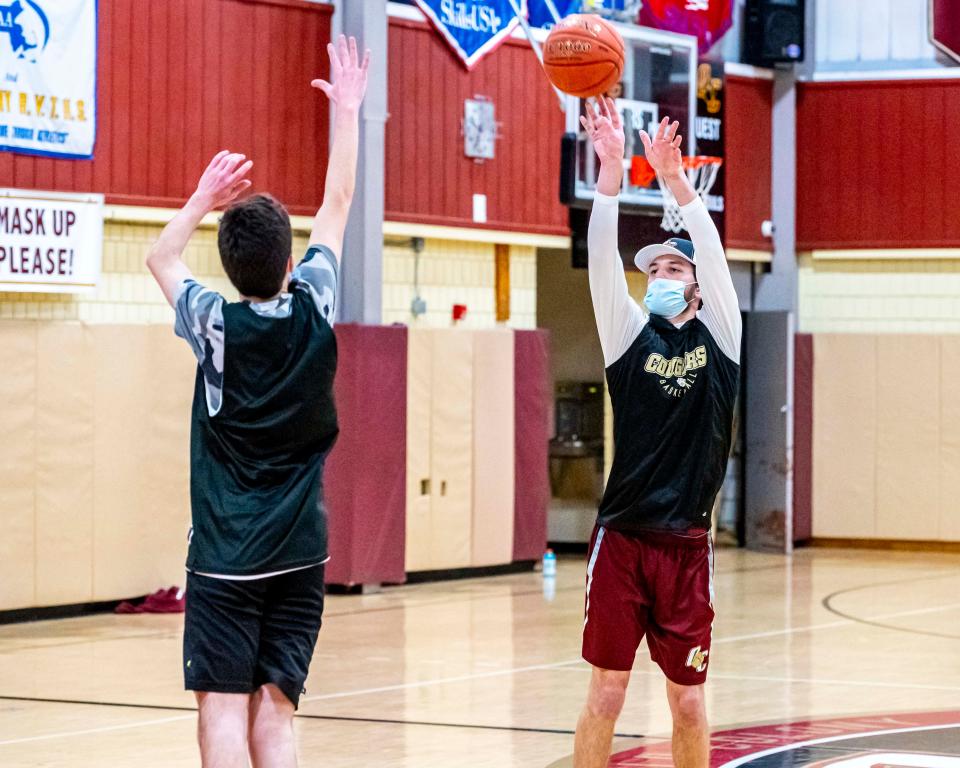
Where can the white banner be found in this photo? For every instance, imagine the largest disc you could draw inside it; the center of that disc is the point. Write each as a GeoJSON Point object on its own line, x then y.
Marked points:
{"type": "Point", "coordinates": [50, 242]}
{"type": "Point", "coordinates": [48, 76]}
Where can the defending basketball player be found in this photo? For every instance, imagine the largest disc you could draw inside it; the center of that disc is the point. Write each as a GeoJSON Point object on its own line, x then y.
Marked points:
{"type": "Point", "coordinates": [672, 371]}
{"type": "Point", "coordinates": [263, 423]}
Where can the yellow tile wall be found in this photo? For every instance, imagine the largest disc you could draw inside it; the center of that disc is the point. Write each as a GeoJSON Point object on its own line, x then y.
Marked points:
{"type": "Point", "coordinates": [879, 296]}
{"type": "Point", "coordinates": [458, 272]}
{"type": "Point", "coordinates": [127, 292]}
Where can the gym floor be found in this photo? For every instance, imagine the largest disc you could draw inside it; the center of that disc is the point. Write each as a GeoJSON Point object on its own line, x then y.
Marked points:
{"type": "Point", "coordinates": [486, 672]}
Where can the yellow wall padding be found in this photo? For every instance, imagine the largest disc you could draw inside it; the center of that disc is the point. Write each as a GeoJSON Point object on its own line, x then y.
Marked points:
{"type": "Point", "coordinates": [419, 409]}
{"type": "Point", "coordinates": [908, 436]}
{"type": "Point", "coordinates": [949, 498]}
{"type": "Point", "coordinates": [886, 451]}
{"type": "Point", "coordinates": [452, 448]}
{"type": "Point", "coordinates": [18, 362]}
{"type": "Point", "coordinates": [64, 464]}
{"type": "Point", "coordinates": [493, 447]}
{"type": "Point", "coordinates": [844, 436]}
{"type": "Point", "coordinates": [143, 385]}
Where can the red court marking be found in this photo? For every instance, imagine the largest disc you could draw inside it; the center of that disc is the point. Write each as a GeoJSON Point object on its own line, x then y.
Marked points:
{"type": "Point", "coordinates": [743, 742]}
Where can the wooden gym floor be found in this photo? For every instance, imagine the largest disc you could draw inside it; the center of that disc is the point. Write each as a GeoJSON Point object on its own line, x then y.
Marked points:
{"type": "Point", "coordinates": [486, 672]}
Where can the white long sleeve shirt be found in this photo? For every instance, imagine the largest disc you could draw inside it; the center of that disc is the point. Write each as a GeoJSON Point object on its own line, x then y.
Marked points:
{"type": "Point", "coordinates": [620, 319]}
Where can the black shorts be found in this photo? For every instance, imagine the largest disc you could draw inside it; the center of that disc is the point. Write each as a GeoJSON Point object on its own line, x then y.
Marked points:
{"type": "Point", "coordinates": [240, 635]}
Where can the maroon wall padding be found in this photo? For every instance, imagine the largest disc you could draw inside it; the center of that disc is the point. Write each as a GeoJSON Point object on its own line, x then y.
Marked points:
{"type": "Point", "coordinates": [365, 478]}
{"type": "Point", "coordinates": [533, 420]}
{"type": "Point", "coordinates": [748, 123]}
{"type": "Point", "coordinates": [803, 437]}
{"type": "Point", "coordinates": [896, 204]}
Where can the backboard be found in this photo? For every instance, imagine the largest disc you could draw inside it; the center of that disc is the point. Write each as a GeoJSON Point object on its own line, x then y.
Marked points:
{"type": "Point", "coordinates": [944, 26]}
{"type": "Point", "coordinates": [659, 80]}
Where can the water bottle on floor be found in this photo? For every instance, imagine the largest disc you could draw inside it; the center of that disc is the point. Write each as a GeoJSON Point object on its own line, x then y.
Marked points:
{"type": "Point", "coordinates": [549, 564]}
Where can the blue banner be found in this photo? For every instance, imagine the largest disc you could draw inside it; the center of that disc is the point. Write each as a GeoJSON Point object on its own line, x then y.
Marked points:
{"type": "Point", "coordinates": [541, 15]}
{"type": "Point", "coordinates": [473, 28]}
{"type": "Point", "coordinates": [48, 71]}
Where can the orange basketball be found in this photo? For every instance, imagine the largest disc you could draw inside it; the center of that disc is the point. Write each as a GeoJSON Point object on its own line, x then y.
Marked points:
{"type": "Point", "coordinates": [583, 55]}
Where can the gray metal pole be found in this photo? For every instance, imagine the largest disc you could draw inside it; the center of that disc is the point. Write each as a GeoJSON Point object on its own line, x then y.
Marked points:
{"type": "Point", "coordinates": [361, 278]}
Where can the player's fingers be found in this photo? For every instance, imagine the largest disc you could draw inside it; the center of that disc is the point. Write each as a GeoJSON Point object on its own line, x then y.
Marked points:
{"type": "Point", "coordinates": [645, 140]}
{"type": "Point", "coordinates": [677, 141]}
{"type": "Point", "coordinates": [583, 122]}
{"type": "Point", "coordinates": [343, 50]}
{"type": "Point", "coordinates": [354, 56]}
{"type": "Point", "coordinates": [674, 127]}
{"type": "Point", "coordinates": [662, 128]}
{"type": "Point", "coordinates": [335, 67]}
{"type": "Point", "coordinates": [218, 158]}
{"type": "Point", "coordinates": [366, 62]}
{"type": "Point", "coordinates": [233, 161]}
{"type": "Point", "coordinates": [242, 171]}
{"type": "Point", "coordinates": [614, 112]}
{"type": "Point", "coordinates": [240, 187]}
{"type": "Point", "coordinates": [323, 85]}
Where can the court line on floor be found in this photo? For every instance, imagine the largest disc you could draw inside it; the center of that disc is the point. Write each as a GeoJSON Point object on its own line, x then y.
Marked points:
{"type": "Point", "coordinates": [301, 715]}
{"type": "Point", "coordinates": [478, 676]}
{"type": "Point", "coordinates": [827, 603]}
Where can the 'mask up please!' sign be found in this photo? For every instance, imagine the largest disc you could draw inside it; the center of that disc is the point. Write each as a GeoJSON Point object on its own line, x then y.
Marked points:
{"type": "Point", "coordinates": [50, 242]}
{"type": "Point", "coordinates": [473, 28]}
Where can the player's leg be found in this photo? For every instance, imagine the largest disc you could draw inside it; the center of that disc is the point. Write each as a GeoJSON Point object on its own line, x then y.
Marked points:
{"type": "Point", "coordinates": [679, 634]}
{"type": "Point", "coordinates": [608, 689]}
{"type": "Point", "coordinates": [222, 729]}
{"type": "Point", "coordinates": [220, 639]}
{"type": "Point", "coordinates": [292, 615]}
{"type": "Point", "coordinates": [271, 729]}
{"type": "Point", "coordinates": [691, 733]}
{"type": "Point", "coordinates": [614, 617]}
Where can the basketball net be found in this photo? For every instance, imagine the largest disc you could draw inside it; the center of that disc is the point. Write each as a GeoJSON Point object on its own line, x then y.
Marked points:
{"type": "Point", "coordinates": [702, 171]}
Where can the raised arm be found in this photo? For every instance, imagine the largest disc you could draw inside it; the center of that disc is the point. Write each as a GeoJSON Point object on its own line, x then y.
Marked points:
{"type": "Point", "coordinates": [221, 183]}
{"type": "Point", "coordinates": [348, 85]}
{"type": "Point", "coordinates": [619, 318]}
{"type": "Point", "coordinates": [721, 308]}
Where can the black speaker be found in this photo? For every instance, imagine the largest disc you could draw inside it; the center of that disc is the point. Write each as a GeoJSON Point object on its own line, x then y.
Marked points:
{"type": "Point", "coordinates": [773, 32]}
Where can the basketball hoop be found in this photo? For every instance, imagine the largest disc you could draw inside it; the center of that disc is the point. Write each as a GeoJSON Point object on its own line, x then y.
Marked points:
{"type": "Point", "coordinates": [702, 172]}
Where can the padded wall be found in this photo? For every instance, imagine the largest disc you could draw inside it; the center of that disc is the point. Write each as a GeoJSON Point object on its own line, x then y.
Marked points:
{"type": "Point", "coordinates": [451, 459]}
{"type": "Point", "coordinates": [419, 409]}
{"type": "Point", "coordinates": [493, 447]}
{"type": "Point", "coordinates": [533, 419]}
{"type": "Point", "coordinates": [93, 486]}
{"type": "Point", "coordinates": [365, 476]}
{"type": "Point", "coordinates": [886, 457]}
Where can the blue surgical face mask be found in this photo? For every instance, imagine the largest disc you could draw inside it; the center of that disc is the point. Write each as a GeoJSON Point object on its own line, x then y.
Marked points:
{"type": "Point", "coordinates": [665, 297]}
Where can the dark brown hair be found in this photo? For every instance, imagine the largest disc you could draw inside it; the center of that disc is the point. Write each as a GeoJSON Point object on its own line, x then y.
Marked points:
{"type": "Point", "coordinates": [255, 242]}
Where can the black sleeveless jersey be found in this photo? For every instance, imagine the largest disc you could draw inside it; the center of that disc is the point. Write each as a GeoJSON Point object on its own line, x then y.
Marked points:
{"type": "Point", "coordinates": [256, 467]}
{"type": "Point", "coordinates": [673, 394]}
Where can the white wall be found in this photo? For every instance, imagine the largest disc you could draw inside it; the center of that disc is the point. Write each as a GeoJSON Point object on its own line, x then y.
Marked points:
{"type": "Point", "coordinates": [872, 34]}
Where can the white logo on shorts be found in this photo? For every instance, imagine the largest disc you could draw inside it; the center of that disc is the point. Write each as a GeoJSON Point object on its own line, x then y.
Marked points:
{"type": "Point", "coordinates": [697, 659]}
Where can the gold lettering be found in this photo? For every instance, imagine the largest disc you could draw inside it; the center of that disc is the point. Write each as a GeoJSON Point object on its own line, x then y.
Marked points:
{"type": "Point", "coordinates": [691, 360]}
{"type": "Point", "coordinates": [53, 108]}
{"type": "Point", "coordinates": [652, 362]}
{"type": "Point", "coordinates": [81, 111]}
{"type": "Point", "coordinates": [67, 114]}
{"type": "Point", "coordinates": [38, 102]}
{"type": "Point", "coordinates": [24, 108]}
{"type": "Point", "coordinates": [5, 101]}
{"type": "Point", "coordinates": [662, 367]}
{"type": "Point", "coordinates": [701, 353]}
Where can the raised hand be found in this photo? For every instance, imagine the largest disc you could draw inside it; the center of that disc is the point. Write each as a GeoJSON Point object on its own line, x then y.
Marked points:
{"type": "Point", "coordinates": [348, 76]}
{"type": "Point", "coordinates": [223, 180]}
{"type": "Point", "coordinates": [663, 151]}
{"type": "Point", "coordinates": [605, 129]}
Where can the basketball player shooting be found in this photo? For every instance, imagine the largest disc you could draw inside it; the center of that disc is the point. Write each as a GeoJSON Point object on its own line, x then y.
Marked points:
{"type": "Point", "coordinates": [672, 371]}
{"type": "Point", "coordinates": [264, 422]}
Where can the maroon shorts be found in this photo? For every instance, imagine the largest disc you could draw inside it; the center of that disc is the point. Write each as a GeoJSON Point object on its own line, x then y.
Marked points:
{"type": "Point", "coordinates": [659, 586]}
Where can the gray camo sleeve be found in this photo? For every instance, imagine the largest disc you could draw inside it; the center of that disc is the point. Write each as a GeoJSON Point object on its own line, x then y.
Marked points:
{"type": "Point", "coordinates": [317, 273]}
